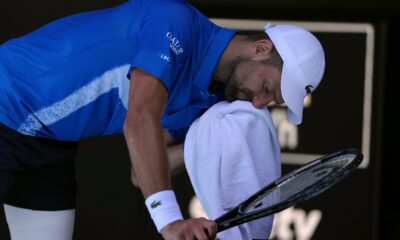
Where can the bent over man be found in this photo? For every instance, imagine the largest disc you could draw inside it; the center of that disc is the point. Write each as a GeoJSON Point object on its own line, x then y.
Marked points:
{"type": "Point", "coordinates": [136, 69]}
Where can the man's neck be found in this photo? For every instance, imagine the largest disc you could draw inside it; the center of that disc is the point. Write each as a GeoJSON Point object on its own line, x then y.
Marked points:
{"type": "Point", "coordinates": [235, 49]}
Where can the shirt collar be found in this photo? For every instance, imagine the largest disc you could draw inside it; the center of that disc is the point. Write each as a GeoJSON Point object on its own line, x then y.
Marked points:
{"type": "Point", "coordinates": [221, 40]}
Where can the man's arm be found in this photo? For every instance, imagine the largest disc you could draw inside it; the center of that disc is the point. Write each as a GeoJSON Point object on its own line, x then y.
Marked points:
{"type": "Point", "coordinates": [174, 155]}
{"type": "Point", "coordinates": [143, 133]}
{"type": "Point", "coordinates": [145, 141]}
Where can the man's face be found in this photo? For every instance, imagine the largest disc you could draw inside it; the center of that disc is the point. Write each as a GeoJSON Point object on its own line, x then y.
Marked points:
{"type": "Point", "coordinates": [255, 82]}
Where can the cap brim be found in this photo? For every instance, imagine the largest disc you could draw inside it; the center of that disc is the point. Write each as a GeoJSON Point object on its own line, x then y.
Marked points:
{"type": "Point", "coordinates": [293, 98]}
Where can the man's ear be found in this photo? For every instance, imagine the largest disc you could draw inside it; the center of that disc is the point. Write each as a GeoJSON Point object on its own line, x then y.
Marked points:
{"type": "Point", "coordinates": [262, 49]}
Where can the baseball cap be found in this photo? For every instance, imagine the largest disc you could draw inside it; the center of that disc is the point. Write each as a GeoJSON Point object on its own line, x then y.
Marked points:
{"type": "Point", "coordinates": [303, 65]}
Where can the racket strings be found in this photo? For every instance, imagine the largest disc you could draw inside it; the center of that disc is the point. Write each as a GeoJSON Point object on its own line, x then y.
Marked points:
{"type": "Point", "coordinates": [301, 183]}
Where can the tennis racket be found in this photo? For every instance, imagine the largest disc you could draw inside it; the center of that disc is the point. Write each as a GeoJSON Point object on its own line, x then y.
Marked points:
{"type": "Point", "coordinates": [295, 187]}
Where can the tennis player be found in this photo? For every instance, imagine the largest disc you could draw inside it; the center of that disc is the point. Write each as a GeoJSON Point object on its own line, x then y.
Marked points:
{"type": "Point", "coordinates": [136, 69]}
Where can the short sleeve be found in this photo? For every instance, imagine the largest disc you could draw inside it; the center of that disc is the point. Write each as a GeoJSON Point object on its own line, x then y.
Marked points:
{"type": "Point", "coordinates": [162, 37]}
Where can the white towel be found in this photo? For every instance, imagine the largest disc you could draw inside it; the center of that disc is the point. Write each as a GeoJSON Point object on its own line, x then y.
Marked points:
{"type": "Point", "coordinates": [230, 152]}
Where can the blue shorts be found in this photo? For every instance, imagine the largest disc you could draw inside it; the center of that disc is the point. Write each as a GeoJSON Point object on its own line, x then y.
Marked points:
{"type": "Point", "coordinates": [36, 173]}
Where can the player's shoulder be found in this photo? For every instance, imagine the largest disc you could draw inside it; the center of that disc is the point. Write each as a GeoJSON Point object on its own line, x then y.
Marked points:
{"type": "Point", "coordinates": [179, 5]}
{"type": "Point", "coordinates": [171, 10]}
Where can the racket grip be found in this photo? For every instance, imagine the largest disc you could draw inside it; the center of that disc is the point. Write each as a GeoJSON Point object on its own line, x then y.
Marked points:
{"type": "Point", "coordinates": [222, 226]}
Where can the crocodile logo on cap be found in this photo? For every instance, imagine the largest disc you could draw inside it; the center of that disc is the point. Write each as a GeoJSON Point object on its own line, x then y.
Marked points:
{"type": "Point", "coordinates": [308, 89]}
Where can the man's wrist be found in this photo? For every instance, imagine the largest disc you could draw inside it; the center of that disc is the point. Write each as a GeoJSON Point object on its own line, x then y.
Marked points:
{"type": "Point", "coordinates": [163, 208]}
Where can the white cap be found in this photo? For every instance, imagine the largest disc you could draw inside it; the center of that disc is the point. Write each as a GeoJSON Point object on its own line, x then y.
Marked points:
{"type": "Point", "coordinates": [303, 65]}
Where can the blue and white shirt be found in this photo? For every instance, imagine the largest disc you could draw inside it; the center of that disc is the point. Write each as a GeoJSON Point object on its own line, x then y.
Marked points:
{"type": "Point", "coordinates": [69, 80]}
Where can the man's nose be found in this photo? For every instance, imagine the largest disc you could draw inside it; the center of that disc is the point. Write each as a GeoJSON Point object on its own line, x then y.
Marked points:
{"type": "Point", "coordinates": [261, 100]}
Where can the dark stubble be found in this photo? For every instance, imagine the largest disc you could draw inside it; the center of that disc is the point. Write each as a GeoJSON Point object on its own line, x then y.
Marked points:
{"type": "Point", "coordinates": [239, 69]}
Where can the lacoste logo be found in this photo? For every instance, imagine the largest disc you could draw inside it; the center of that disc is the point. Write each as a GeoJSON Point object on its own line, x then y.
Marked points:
{"type": "Point", "coordinates": [308, 89]}
{"type": "Point", "coordinates": [165, 57]}
{"type": "Point", "coordinates": [155, 204]}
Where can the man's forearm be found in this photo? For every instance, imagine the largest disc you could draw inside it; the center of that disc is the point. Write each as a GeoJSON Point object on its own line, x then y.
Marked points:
{"type": "Point", "coordinates": [175, 159]}
{"type": "Point", "coordinates": [148, 154]}
{"type": "Point", "coordinates": [143, 133]}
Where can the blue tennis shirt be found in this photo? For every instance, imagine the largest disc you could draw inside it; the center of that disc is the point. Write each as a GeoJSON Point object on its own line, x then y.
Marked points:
{"type": "Point", "coordinates": [69, 80]}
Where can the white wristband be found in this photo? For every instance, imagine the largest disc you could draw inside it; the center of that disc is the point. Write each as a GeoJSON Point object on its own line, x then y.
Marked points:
{"type": "Point", "coordinates": [163, 208]}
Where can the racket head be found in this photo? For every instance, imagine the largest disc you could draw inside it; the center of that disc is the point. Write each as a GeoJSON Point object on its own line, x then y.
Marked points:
{"type": "Point", "coordinates": [297, 186]}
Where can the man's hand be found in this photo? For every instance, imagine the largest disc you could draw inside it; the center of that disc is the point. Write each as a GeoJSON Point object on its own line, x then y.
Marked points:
{"type": "Point", "coordinates": [190, 229]}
